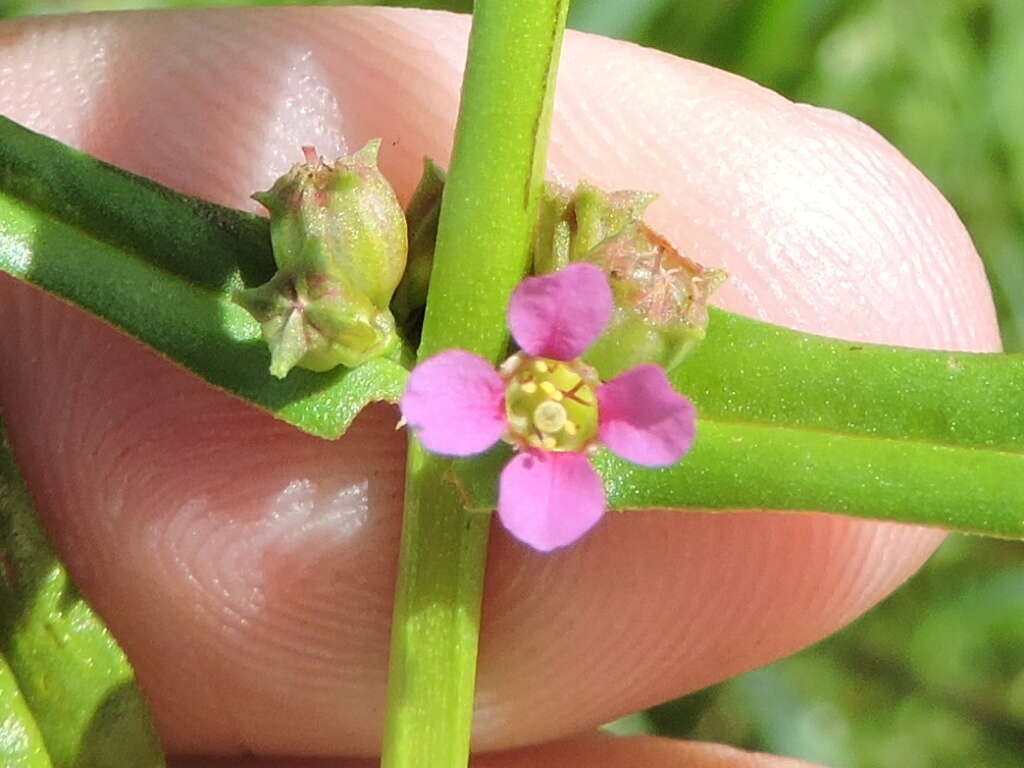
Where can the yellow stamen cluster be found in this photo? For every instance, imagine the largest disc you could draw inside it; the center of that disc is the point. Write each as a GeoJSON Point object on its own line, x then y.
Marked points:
{"type": "Point", "coordinates": [551, 405]}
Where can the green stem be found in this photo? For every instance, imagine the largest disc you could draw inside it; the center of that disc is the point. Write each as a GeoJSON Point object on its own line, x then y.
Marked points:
{"type": "Point", "coordinates": [483, 246]}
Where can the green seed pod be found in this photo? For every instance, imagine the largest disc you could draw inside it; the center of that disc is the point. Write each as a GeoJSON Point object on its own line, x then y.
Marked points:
{"type": "Point", "coordinates": [570, 224]}
{"type": "Point", "coordinates": [339, 242]}
{"type": "Point", "coordinates": [661, 298]}
{"type": "Point", "coordinates": [421, 218]}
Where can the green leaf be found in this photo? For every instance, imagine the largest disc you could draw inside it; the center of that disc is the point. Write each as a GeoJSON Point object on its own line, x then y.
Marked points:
{"type": "Point", "coordinates": [792, 421]}
{"type": "Point", "coordinates": [70, 670]}
{"type": "Point", "coordinates": [21, 744]}
{"type": "Point", "coordinates": [749, 371]}
{"type": "Point", "coordinates": [161, 266]}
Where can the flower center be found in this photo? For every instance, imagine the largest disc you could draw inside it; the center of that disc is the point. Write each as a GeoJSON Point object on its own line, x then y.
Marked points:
{"type": "Point", "coordinates": [551, 404]}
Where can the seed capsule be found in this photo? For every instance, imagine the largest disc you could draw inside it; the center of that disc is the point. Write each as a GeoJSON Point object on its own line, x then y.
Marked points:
{"type": "Point", "coordinates": [571, 223]}
{"type": "Point", "coordinates": [660, 296]}
{"type": "Point", "coordinates": [661, 300]}
{"type": "Point", "coordinates": [339, 240]}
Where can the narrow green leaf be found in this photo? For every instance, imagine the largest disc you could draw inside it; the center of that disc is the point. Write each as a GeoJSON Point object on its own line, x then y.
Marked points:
{"type": "Point", "coordinates": [749, 371]}
{"type": "Point", "coordinates": [68, 667]}
{"type": "Point", "coordinates": [21, 744]}
{"type": "Point", "coordinates": [759, 467]}
{"type": "Point", "coordinates": [161, 266]}
{"type": "Point", "coordinates": [792, 421]}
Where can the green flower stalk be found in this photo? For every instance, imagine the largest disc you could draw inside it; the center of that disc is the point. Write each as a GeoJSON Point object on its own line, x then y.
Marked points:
{"type": "Point", "coordinates": [340, 242]}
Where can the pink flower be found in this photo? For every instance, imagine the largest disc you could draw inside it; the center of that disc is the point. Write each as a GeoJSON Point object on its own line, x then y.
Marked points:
{"type": "Point", "coordinates": [551, 407]}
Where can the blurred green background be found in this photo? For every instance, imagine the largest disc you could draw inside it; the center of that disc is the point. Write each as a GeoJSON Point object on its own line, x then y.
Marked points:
{"type": "Point", "coordinates": [932, 677]}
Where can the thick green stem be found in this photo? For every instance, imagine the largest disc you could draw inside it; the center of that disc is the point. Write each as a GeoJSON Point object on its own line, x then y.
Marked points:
{"type": "Point", "coordinates": [483, 246]}
{"type": "Point", "coordinates": [436, 622]}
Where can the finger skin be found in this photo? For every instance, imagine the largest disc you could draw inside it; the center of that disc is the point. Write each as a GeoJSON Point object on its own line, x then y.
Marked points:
{"type": "Point", "coordinates": [593, 751]}
{"type": "Point", "coordinates": [248, 569]}
{"type": "Point", "coordinates": [605, 751]}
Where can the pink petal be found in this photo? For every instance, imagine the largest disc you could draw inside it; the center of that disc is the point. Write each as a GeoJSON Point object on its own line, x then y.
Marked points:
{"type": "Point", "coordinates": [548, 500]}
{"type": "Point", "coordinates": [561, 314]}
{"type": "Point", "coordinates": [643, 419]}
{"type": "Point", "coordinates": [455, 402]}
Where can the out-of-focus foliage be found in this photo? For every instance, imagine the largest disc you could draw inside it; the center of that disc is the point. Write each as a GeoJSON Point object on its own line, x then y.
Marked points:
{"type": "Point", "coordinates": [932, 678]}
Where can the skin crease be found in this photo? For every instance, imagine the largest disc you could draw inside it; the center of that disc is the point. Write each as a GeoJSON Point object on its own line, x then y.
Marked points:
{"type": "Point", "coordinates": [248, 569]}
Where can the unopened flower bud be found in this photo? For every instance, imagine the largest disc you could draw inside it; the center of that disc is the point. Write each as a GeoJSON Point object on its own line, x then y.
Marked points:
{"type": "Point", "coordinates": [660, 302]}
{"type": "Point", "coordinates": [571, 223]}
{"type": "Point", "coordinates": [339, 241]}
{"type": "Point", "coordinates": [421, 218]}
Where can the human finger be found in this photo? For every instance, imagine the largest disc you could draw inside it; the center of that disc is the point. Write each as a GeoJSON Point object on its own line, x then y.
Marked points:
{"type": "Point", "coordinates": [248, 569]}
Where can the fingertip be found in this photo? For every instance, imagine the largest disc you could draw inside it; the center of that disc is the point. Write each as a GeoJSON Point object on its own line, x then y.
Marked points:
{"type": "Point", "coordinates": [606, 751]}
{"type": "Point", "coordinates": [822, 224]}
